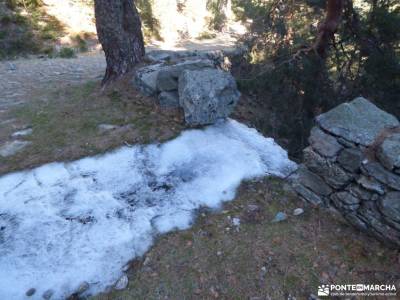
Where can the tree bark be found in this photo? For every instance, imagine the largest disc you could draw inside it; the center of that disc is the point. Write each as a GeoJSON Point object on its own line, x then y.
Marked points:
{"type": "Point", "coordinates": [327, 29]}
{"type": "Point", "coordinates": [119, 30]}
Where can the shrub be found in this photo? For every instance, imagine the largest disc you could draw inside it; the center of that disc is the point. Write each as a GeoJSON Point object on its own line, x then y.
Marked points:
{"type": "Point", "coordinates": [66, 52]}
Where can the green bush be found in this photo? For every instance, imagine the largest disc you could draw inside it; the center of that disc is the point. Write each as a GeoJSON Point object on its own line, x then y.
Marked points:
{"type": "Point", "coordinates": [296, 84]}
{"type": "Point", "coordinates": [66, 52]}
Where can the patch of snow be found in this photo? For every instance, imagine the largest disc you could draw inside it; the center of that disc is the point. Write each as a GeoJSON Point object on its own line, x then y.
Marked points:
{"type": "Point", "coordinates": [66, 223]}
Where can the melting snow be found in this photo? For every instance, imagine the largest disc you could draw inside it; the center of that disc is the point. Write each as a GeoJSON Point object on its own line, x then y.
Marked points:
{"type": "Point", "coordinates": [65, 223]}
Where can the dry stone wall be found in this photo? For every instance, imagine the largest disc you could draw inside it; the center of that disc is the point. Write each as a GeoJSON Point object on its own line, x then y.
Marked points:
{"type": "Point", "coordinates": [353, 165]}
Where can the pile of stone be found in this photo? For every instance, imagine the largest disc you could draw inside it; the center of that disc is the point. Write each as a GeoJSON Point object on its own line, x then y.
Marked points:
{"type": "Point", "coordinates": [353, 166]}
{"type": "Point", "coordinates": [193, 81]}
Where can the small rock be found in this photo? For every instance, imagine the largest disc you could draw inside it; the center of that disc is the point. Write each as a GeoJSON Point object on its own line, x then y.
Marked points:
{"type": "Point", "coordinates": [146, 261]}
{"type": "Point", "coordinates": [313, 297]}
{"type": "Point", "coordinates": [122, 283]}
{"type": "Point", "coordinates": [298, 211]}
{"type": "Point", "coordinates": [83, 287]}
{"type": "Point", "coordinates": [236, 222]}
{"type": "Point", "coordinates": [12, 148]}
{"type": "Point", "coordinates": [11, 67]}
{"type": "Point", "coordinates": [24, 132]}
{"type": "Point", "coordinates": [48, 294]}
{"type": "Point", "coordinates": [126, 267]}
{"type": "Point", "coordinates": [106, 127]}
{"type": "Point", "coordinates": [30, 292]}
{"type": "Point", "coordinates": [280, 216]}
{"type": "Point", "coordinates": [253, 214]}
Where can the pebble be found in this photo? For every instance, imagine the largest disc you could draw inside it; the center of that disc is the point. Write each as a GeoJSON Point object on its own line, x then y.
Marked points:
{"type": "Point", "coordinates": [280, 216]}
{"type": "Point", "coordinates": [121, 283]}
{"type": "Point", "coordinates": [298, 212]}
{"type": "Point", "coordinates": [48, 294]}
{"type": "Point", "coordinates": [30, 292]}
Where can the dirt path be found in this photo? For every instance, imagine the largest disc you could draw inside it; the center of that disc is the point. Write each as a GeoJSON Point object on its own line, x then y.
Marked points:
{"type": "Point", "coordinates": [19, 78]}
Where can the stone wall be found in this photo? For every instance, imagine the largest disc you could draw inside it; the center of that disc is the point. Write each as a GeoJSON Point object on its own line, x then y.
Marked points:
{"type": "Point", "coordinates": [353, 166]}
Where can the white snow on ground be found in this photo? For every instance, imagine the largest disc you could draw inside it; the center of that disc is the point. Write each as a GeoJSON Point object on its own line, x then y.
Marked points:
{"type": "Point", "coordinates": [65, 223]}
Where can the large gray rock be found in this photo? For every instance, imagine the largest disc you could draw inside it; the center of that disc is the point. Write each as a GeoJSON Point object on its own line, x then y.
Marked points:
{"type": "Point", "coordinates": [323, 143]}
{"type": "Point", "coordinates": [358, 121]}
{"type": "Point", "coordinates": [389, 152]}
{"type": "Point", "coordinates": [390, 206]}
{"type": "Point", "coordinates": [146, 79]}
{"type": "Point", "coordinates": [332, 174]}
{"type": "Point", "coordinates": [345, 200]}
{"type": "Point", "coordinates": [207, 95]}
{"type": "Point", "coordinates": [168, 76]}
{"type": "Point", "coordinates": [308, 195]}
{"type": "Point", "coordinates": [169, 99]}
{"type": "Point", "coordinates": [313, 182]}
{"type": "Point", "coordinates": [360, 192]}
{"type": "Point", "coordinates": [371, 184]}
{"type": "Point", "coordinates": [378, 172]}
{"type": "Point", "coordinates": [350, 159]}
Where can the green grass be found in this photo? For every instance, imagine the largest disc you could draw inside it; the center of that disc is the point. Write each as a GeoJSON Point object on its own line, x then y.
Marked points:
{"type": "Point", "coordinates": [66, 124]}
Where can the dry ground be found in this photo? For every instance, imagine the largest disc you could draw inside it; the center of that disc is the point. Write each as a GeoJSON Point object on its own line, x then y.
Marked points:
{"type": "Point", "coordinates": [259, 259]}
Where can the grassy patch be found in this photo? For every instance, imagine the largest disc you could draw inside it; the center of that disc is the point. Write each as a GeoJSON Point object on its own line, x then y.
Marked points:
{"type": "Point", "coordinates": [65, 123]}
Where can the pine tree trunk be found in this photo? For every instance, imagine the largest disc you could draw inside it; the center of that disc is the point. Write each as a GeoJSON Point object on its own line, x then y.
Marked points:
{"type": "Point", "coordinates": [334, 11]}
{"type": "Point", "coordinates": [119, 31]}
